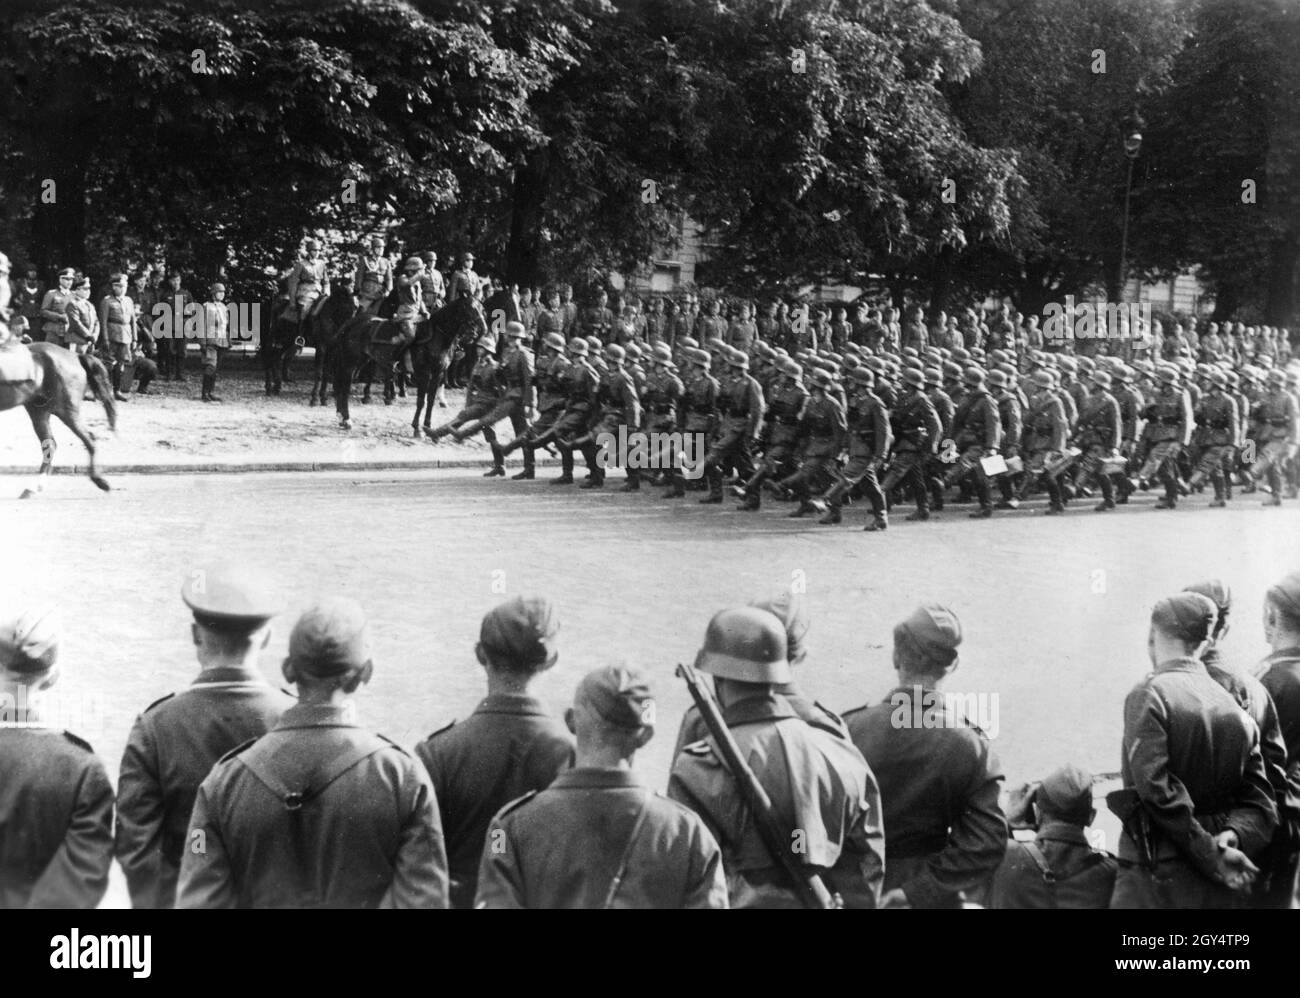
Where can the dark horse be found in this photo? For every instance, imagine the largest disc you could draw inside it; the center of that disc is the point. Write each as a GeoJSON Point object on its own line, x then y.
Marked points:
{"type": "Point", "coordinates": [323, 334]}
{"type": "Point", "coordinates": [48, 380]}
{"type": "Point", "coordinates": [366, 339]}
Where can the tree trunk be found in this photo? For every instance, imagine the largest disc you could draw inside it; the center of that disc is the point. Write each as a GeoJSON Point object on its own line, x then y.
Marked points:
{"type": "Point", "coordinates": [522, 263]}
{"type": "Point", "coordinates": [1280, 304]}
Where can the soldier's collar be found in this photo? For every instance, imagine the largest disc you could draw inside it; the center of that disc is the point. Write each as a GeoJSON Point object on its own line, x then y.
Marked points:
{"type": "Point", "coordinates": [511, 703]}
{"type": "Point", "coordinates": [763, 707]}
{"type": "Point", "coordinates": [1063, 831]}
{"type": "Point", "coordinates": [228, 674]}
{"type": "Point", "coordinates": [588, 777]}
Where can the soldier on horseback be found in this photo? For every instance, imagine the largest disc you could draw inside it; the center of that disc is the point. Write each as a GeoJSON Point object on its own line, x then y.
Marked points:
{"type": "Point", "coordinates": [308, 284]}
{"type": "Point", "coordinates": [411, 310]}
{"type": "Point", "coordinates": [374, 277]}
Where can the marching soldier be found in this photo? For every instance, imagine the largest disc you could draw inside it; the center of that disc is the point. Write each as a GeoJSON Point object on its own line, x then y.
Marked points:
{"type": "Point", "coordinates": [1011, 416]}
{"type": "Point", "coordinates": [1199, 805]}
{"type": "Point", "coordinates": [517, 402]}
{"type": "Point", "coordinates": [374, 277]}
{"type": "Point", "coordinates": [939, 780]}
{"type": "Point", "coordinates": [1046, 432]}
{"type": "Point", "coordinates": [699, 408]}
{"type": "Point", "coordinates": [177, 740]}
{"type": "Point", "coordinates": [740, 404]}
{"type": "Point", "coordinates": [598, 837]}
{"type": "Point", "coordinates": [580, 385]}
{"type": "Point", "coordinates": [1098, 437]}
{"type": "Point", "coordinates": [510, 745]}
{"type": "Point", "coordinates": [823, 426]}
{"type": "Point", "coordinates": [1276, 426]}
{"type": "Point", "coordinates": [56, 804]}
{"type": "Point", "coordinates": [781, 432]}
{"type": "Point", "coordinates": [318, 812]}
{"type": "Point", "coordinates": [869, 440]}
{"type": "Point", "coordinates": [934, 469]}
{"type": "Point", "coordinates": [1216, 420]}
{"type": "Point", "coordinates": [662, 401]}
{"type": "Point", "coordinates": [1131, 404]}
{"type": "Point", "coordinates": [480, 396]}
{"type": "Point", "coordinates": [551, 379]}
{"type": "Point", "coordinates": [1168, 431]}
{"type": "Point", "coordinates": [816, 782]}
{"type": "Point", "coordinates": [917, 432]}
{"type": "Point", "coordinates": [616, 405]}
{"type": "Point", "coordinates": [1282, 681]}
{"type": "Point", "coordinates": [977, 432]}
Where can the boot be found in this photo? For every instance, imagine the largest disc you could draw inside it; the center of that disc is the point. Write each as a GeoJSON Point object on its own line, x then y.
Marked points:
{"type": "Point", "coordinates": [751, 503]}
{"type": "Point", "coordinates": [527, 475]}
{"type": "Point", "coordinates": [565, 479]}
{"type": "Point", "coordinates": [1104, 505]}
{"type": "Point", "coordinates": [1166, 502]}
{"type": "Point", "coordinates": [983, 513]}
{"type": "Point", "coordinates": [633, 483]}
{"type": "Point", "coordinates": [1054, 509]}
{"type": "Point", "coordinates": [204, 396]}
{"type": "Point", "coordinates": [676, 491]}
{"type": "Point", "coordinates": [804, 508]}
{"type": "Point", "coordinates": [919, 516]}
{"type": "Point", "coordinates": [595, 481]}
{"type": "Point", "coordinates": [212, 385]}
{"type": "Point", "coordinates": [832, 517]}
{"type": "Point", "coordinates": [498, 469]}
{"type": "Point", "coordinates": [143, 387]}
{"type": "Point", "coordinates": [880, 522]}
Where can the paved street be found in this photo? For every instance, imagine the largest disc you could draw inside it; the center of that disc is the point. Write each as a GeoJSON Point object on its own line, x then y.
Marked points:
{"type": "Point", "coordinates": [1054, 609]}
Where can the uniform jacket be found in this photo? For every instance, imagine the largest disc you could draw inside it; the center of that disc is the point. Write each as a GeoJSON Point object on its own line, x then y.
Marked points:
{"type": "Point", "coordinates": [944, 406]}
{"type": "Point", "coordinates": [1099, 422]}
{"type": "Point", "coordinates": [824, 425]}
{"type": "Point", "coordinates": [600, 838]}
{"type": "Point", "coordinates": [1081, 877]}
{"type": "Point", "coordinates": [976, 422]}
{"type": "Point", "coordinates": [1216, 418]}
{"type": "Point", "coordinates": [916, 423]}
{"type": "Point", "coordinates": [484, 382]}
{"type": "Point", "coordinates": [700, 392]}
{"type": "Point", "coordinates": [374, 276]}
{"type": "Point", "coordinates": [83, 323]}
{"type": "Point", "coordinates": [1282, 681]}
{"type": "Point", "coordinates": [1011, 416]}
{"type": "Point", "coordinates": [616, 398]}
{"type": "Point", "coordinates": [516, 374]}
{"type": "Point", "coordinates": [367, 837]}
{"type": "Point", "coordinates": [54, 311]}
{"type": "Point", "coordinates": [1169, 416]}
{"type": "Point", "coordinates": [552, 377]}
{"type": "Point", "coordinates": [56, 820]}
{"type": "Point", "coordinates": [117, 318]}
{"type": "Point", "coordinates": [869, 433]}
{"type": "Point", "coordinates": [1194, 759]}
{"type": "Point", "coordinates": [818, 785]}
{"type": "Point", "coordinates": [741, 404]}
{"type": "Point", "coordinates": [580, 388]}
{"type": "Point", "coordinates": [1131, 404]}
{"type": "Point", "coordinates": [1274, 417]}
{"type": "Point", "coordinates": [662, 397]}
{"type": "Point", "coordinates": [172, 747]}
{"type": "Point", "coordinates": [944, 828]}
{"type": "Point", "coordinates": [693, 728]}
{"type": "Point", "coordinates": [784, 405]}
{"type": "Point", "coordinates": [509, 746]}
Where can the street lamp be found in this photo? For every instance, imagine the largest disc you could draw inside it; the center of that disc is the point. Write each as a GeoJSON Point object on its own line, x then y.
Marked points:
{"type": "Point", "coordinates": [1132, 143]}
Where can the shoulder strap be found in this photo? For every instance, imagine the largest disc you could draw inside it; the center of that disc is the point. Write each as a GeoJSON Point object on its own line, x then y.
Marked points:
{"type": "Point", "coordinates": [343, 760]}
{"type": "Point", "coordinates": [627, 853]}
{"type": "Point", "coordinates": [1044, 867]}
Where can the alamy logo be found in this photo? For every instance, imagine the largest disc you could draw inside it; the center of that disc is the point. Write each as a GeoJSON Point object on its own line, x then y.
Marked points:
{"type": "Point", "coordinates": [652, 451]}
{"type": "Point", "coordinates": [919, 707]}
{"type": "Point", "coordinates": [175, 320]}
{"type": "Point", "coordinates": [94, 952]}
{"type": "Point", "coordinates": [1094, 320]}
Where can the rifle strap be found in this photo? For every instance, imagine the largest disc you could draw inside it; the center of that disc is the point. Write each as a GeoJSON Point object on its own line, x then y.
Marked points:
{"type": "Point", "coordinates": [627, 852]}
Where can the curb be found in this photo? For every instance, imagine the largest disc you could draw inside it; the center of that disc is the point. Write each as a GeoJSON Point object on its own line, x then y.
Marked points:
{"type": "Point", "coordinates": [259, 467]}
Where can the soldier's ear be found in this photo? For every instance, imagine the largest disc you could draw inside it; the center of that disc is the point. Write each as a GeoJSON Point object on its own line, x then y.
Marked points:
{"type": "Point", "coordinates": [480, 654]}
{"type": "Point", "coordinates": [569, 721]}
{"type": "Point", "coordinates": [289, 672]}
{"type": "Point", "coordinates": [196, 634]}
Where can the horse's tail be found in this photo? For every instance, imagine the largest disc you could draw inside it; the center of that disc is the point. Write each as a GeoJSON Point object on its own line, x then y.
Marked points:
{"type": "Point", "coordinates": [97, 375]}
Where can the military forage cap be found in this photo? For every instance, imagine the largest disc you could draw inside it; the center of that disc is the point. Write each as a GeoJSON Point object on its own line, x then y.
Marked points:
{"type": "Point", "coordinates": [225, 597]}
{"type": "Point", "coordinates": [746, 644]}
{"type": "Point", "coordinates": [620, 695]}
{"type": "Point", "coordinates": [933, 630]}
{"type": "Point", "coordinates": [1287, 594]}
{"type": "Point", "coordinates": [1189, 616]}
{"type": "Point", "coordinates": [330, 638]}
{"type": "Point", "coordinates": [522, 630]}
{"type": "Point", "coordinates": [1065, 791]}
{"type": "Point", "coordinates": [1217, 590]}
{"type": "Point", "coordinates": [29, 642]}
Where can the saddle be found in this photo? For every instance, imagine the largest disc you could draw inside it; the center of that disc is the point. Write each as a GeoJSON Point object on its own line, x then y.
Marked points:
{"type": "Point", "coordinates": [17, 365]}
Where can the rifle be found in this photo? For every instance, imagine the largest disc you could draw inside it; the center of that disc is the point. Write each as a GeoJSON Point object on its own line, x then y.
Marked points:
{"type": "Point", "coordinates": [808, 884]}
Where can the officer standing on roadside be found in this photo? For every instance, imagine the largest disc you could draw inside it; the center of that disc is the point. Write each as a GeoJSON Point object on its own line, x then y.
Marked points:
{"type": "Point", "coordinates": [177, 740]}
{"type": "Point", "coordinates": [510, 745]}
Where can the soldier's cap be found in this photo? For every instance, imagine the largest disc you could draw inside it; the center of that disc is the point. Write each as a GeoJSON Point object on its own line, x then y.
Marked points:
{"type": "Point", "coordinates": [225, 597]}
{"type": "Point", "coordinates": [1219, 379]}
{"type": "Point", "coordinates": [716, 345]}
{"type": "Point", "coordinates": [876, 364]}
{"type": "Point", "coordinates": [1009, 370]}
{"type": "Point", "coordinates": [1065, 791]}
{"type": "Point", "coordinates": [863, 375]}
{"type": "Point", "coordinates": [1044, 379]}
{"type": "Point", "coordinates": [789, 367]}
{"type": "Point", "coordinates": [619, 695]}
{"type": "Point", "coordinates": [413, 263]}
{"type": "Point", "coordinates": [522, 630]}
{"type": "Point", "coordinates": [485, 343]}
{"type": "Point", "coordinates": [1293, 377]}
{"type": "Point", "coordinates": [932, 376]}
{"type": "Point", "coordinates": [1066, 363]}
{"type": "Point", "coordinates": [960, 354]}
{"type": "Point", "coordinates": [686, 342]}
{"type": "Point", "coordinates": [594, 343]}
{"type": "Point", "coordinates": [514, 330]}
{"type": "Point", "coordinates": [80, 282]}
{"type": "Point", "coordinates": [1276, 376]}
{"type": "Point", "coordinates": [821, 378]}
{"type": "Point", "coordinates": [1168, 374]}
{"type": "Point", "coordinates": [1185, 365]}
{"type": "Point", "coordinates": [67, 272]}
{"type": "Point", "coordinates": [428, 256]}
{"type": "Point", "coordinates": [932, 630]}
{"type": "Point", "coordinates": [998, 378]}
{"type": "Point", "coordinates": [915, 362]}
{"type": "Point", "coordinates": [745, 644]}
{"type": "Point", "coordinates": [218, 286]}
{"type": "Point", "coordinates": [555, 341]}
{"type": "Point", "coordinates": [1286, 593]}
{"type": "Point", "coordinates": [792, 610]}
{"type": "Point", "coordinates": [661, 354]}
{"type": "Point", "coordinates": [951, 370]}
{"type": "Point", "coordinates": [850, 362]}
{"type": "Point", "coordinates": [973, 376]}
{"type": "Point", "coordinates": [761, 349]}
{"type": "Point", "coordinates": [577, 345]}
{"type": "Point", "coordinates": [312, 243]}
{"type": "Point", "coordinates": [911, 376]}
{"type": "Point", "coordinates": [976, 353]}
{"type": "Point", "coordinates": [698, 356]}
{"type": "Point", "coordinates": [633, 351]}
{"type": "Point", "coordinates": [1188, 615]}
{"type": "Point", "coordinates": [29, 641]}
{"type": "Point", "coordinates": [1217, 591]}
{"type": "Point", "coordinates": [1100, 378]}
{"type": "Point", "coordinates": [909, 352]}
{"type": "Point", "coordinates": [999, 355]}
{"type": "Point", "coordinates": [330, 638]}
{"type": "Point", "coordinates": [1085, 364]}
{"type": "Point", "coordinates": [1233, 380]}
{"type": "Point", "coordinates": [615, 352]}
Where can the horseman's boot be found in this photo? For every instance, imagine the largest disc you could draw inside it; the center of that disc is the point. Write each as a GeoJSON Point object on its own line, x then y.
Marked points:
{"type": "Point", "coordinates": [212, 387]}
{"type": "Point", "coordinates": [498, 469]}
